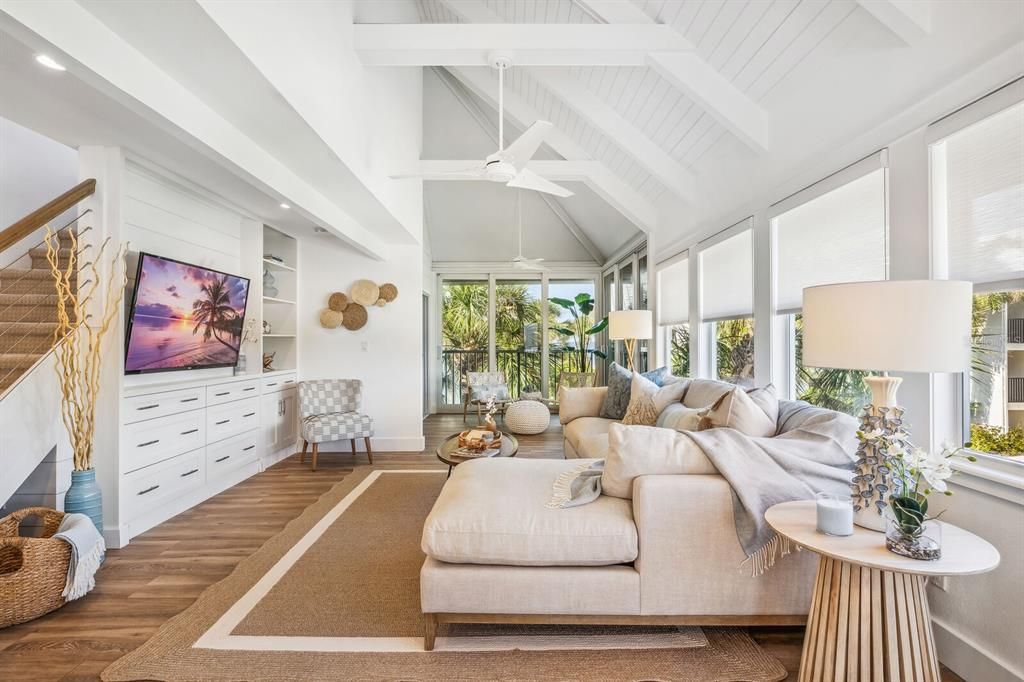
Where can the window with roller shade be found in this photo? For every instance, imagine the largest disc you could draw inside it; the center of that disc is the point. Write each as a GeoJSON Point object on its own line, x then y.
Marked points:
{"type": "Point", "coordinates": [832, 232]}
{"type": "Point", "coordinates": [977, 164]}
{"type": "Point", "coordinates": [674, 313]}
{"type": "Point", "coordinates": [727, 303]}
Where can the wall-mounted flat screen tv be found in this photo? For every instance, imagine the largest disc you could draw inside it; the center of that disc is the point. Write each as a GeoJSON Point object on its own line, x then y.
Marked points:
{"type": "Point", "coordinates": [183, 316]}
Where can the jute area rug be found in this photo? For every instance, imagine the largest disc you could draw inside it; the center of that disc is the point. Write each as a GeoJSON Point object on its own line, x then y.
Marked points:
{"type": "Point", "coordinates": [335, 596]}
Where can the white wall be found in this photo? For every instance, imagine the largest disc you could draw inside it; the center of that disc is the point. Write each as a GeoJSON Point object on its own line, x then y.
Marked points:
{"type": "Point", "coordinates": [385, 353]}
{"type": "Point", "coordinates": [33, 170]}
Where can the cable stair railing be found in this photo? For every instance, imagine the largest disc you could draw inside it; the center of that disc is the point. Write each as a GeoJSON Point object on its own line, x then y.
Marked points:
{"type": "Point", "coordinates": [28, 298]}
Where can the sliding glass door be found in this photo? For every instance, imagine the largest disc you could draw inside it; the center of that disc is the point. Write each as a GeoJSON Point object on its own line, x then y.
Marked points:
{"type": "Point", "coordinates": [518, 329]}
{"type": "Point", "coordinates": [464, 335]}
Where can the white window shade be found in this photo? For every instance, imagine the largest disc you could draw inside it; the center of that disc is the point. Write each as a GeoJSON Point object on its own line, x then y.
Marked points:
{"type": "Point", "coordinates": [674, 293]}
{"type": "Point", "coordinates": [727, 278]}
{"type": "Point", "coordinates": [837, 237]}
{"type": "Point", "coordinates": [982, 197]}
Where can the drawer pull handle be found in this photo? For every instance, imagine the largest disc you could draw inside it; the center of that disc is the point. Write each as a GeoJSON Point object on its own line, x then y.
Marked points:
{"type": "Point", "coordinates": [248, 448]}
{"type": "Point", "coordinates": [189, 400]}
{"type": "Point", "coordinates": [251, 388]}
{"type": "Point", "coordinates": [249, 414]}
{"type": "Point", "coordinates": [273, 384]}
{"type": "Point", "coordinates": [290, 381]}
{"type": "Point", "coordinates": [223, 421]}
{"type": "Point", "coordinates": [185, 433]}
{"type": "Point", "coordinates": [148, 442]}
{"type": "Point", "coordinates": [217, 395]}
{"type": "Point", "coordinates": [189, 473]}
{"type": "Point", "coordinates": [148, 407]}
{"type": "Point", "coordinates": [223, 458]}
{"type": "Point", "coordinates": [148, 490]}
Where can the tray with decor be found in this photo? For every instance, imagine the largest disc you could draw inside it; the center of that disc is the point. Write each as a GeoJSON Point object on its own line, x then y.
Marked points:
{"type": "Point", "coordinates": [479, 440]}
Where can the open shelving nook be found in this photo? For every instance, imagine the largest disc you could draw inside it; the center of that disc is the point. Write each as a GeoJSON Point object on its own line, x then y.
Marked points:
{"type": "Point", "coordinates": [278, 296]}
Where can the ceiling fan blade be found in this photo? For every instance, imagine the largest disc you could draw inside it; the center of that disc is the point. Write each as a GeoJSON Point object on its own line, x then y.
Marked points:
{"type": "Point", "coordinates": [527, 179]}
{"type": "Point", "coordinates": [527, 144]}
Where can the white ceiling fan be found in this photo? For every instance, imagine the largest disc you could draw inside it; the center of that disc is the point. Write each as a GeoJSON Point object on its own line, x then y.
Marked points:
{"type": "Point", "coordinates": [520, 262]}
{"type": "Point", "coordinates": [508, 164]}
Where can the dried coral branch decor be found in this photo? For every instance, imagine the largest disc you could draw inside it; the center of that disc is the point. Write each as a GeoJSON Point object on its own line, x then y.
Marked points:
{"type": "Point", "coordinates": [77, 346]}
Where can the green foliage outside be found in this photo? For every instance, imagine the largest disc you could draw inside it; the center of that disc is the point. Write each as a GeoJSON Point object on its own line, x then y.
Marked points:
{"type": "Point", "coordinates": [576, 332]}
{"type": "Point", "coordinates": [679, 350]}
{"type": "Point", "coordinates": [842, 390]}
{"type": "Point", "coordinates": [997, 440]}
{"type": "Point", "coordinates": [734, 349]}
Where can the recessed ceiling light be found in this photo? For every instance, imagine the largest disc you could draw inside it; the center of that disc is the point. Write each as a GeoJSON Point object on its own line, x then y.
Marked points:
{"type": "Point", "coordinates": [284, 205]}
{"type": "Point", "coordinates": [48, 61]}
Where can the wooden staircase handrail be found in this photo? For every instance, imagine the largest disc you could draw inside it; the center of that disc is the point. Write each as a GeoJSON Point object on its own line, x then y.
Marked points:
{"type": "Point", "coordinates": [45, 213]}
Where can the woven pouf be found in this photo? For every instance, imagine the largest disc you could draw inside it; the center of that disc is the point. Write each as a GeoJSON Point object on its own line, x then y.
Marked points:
{"type": "Point", "coordinates": [527, 417]}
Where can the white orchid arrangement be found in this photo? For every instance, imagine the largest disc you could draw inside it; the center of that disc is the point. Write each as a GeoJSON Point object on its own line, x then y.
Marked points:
{"type": "Point", "coordinates": [917, 474]}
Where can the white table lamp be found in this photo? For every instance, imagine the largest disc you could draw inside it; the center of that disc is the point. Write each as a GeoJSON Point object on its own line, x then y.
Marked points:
{"type": "Point", "coordinates": [888, 326]}
{"type": "Point", "coordinates": [628, 326]}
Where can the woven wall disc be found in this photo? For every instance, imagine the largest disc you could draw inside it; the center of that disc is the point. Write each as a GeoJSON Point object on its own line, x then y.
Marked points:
{"type": "Point", "coordinates": [331, 319]}
{"type": "Point", "coordinates": [337, 302]}
{"type": "Point", "coordinates": [365, 292]}
{"type": "Point", "coordinates": [355, 317]}
{"type": "Point", "coordinates": [381, 302]}
{"type": "Point", "coordinates": [388, 292]}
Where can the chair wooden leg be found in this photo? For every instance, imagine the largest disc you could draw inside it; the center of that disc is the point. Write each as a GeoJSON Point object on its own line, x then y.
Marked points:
{"type": "Point", "coordinates": [429, 631]}
{"type": "Point", "coordinates": [479, 413]}
{"type": "Point", "coordinates": [465, 408]}
{"type": "Point", "coordinates": [369, 452]}
{"type": "Point", "coordinates": [316, 450]}
{"type": "Point", "coordinates": [302, 457]}
{"type": "Point", "coordinates": [353, 441]}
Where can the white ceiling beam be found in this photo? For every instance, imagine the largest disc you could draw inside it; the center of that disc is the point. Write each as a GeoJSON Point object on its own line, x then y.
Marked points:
{"type": "Point", "coordinates": [560, 83]}
{"type": "Point", "coordinates": [910, 20]}
{"type": "Point", "coordinates": [594, 174]}
{"type": "Point", "coordinates": [530, 44]}
{"type": "Point", "coordinates": [694, 77]}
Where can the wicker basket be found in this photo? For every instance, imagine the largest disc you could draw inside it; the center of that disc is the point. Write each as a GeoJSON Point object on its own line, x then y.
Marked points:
{"type": "Point", "coordinates": [33, 571]}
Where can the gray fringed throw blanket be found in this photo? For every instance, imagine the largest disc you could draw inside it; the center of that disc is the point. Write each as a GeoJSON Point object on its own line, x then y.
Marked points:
{"type": "Point", "coordinates": [87, 552]}
{"type": "Point", "coordinates": [813, 452]}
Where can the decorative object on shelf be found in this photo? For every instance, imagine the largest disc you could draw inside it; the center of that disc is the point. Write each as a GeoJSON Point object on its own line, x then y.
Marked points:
{"type": "Point", "coordinates": [269, 284]}
{"type": "Point", "coordinates": [267, 329]}
{"type": "Point", "coordinates": [834, 513]}
{"type": "Point", "coordinates": [87, 307]}
{"type": "Point", "coordinates": [248, 336]}
{"type": "Point", "coordinates": [909, 531]}
{"type": "Point", "coordinates": [355, 317]}
{"type": "Point", "coordinates": [268, 361]}
{"type": "Point", "coordinates": [892, 325]}
{"type": "Point", "coordinates": [365, 292]}
{"type": "Point", "coordinates": [331, 319]}
{"type": "Point", "coordinates": [628, 326]}
{"type": "Point", "coordinates": [276, 259]}
{"type": "Point", "coordinates": [389, 292]}
{"type": "Point", "coordinates": [337, 302]}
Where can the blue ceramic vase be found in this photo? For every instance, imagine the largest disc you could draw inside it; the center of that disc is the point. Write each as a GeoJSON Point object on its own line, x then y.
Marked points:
{"type": "Point", "coordinates": [85, 497]}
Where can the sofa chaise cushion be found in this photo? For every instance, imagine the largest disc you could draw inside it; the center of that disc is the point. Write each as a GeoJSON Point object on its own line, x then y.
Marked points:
{"type": "Point", "coordinates": [580, 429]}
{"type": "Point", "coordinates": [494, 511]}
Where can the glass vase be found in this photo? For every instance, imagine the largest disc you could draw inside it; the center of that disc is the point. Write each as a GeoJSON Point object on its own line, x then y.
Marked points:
{"type": "Point", "coordinates": [916, 541]}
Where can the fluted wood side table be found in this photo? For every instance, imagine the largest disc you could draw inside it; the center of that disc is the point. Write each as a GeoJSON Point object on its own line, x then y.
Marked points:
{"type": "Point", "coordinates": [869, 618]}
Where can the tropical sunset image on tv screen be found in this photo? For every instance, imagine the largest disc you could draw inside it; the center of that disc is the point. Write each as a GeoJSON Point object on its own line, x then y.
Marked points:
{"type": "Point", "coordinates": [184, 316]}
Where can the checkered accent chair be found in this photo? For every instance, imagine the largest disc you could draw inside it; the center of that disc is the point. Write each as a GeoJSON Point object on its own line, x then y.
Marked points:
{"type": "Point", "coordinates": [330, 412]}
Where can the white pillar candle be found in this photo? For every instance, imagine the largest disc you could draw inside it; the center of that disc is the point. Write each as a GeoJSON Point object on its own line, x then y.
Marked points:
{"type": "Point", "coordinates": [835, 515]}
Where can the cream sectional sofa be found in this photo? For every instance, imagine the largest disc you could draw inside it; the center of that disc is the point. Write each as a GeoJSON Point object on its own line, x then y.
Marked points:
{"type": "Point", "coordinates": [670, 555]}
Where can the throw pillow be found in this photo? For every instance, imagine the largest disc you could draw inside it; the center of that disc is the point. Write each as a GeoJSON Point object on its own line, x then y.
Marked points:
{"type": "Point", "coordinates": [619, 381]}
{"type": "Point", "coordinates": [642, 451]}
{"type": "Point", "coordinates": [767, 400]}
{"type": "Point", "coordinates": [705, 392]}
{"type": "Point", "coordinates": [485, 391]}
{"type": "Point", "coordinates": [737, 410]}
{"type": "Point", "coordinates": [680, 417]}
{"type": "Point", "coordinates": [647, 400]}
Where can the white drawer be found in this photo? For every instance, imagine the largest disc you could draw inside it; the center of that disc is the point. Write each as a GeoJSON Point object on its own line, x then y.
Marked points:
{"type": "Point", "coordinates": [278, 383]}
{"type": "Point", "coordinates": [225, 393]}
{"type": "Point", "coordinates": [144, 489]}
{"type": "Point", "coordinates": [154, 405]}
{"type": "Point", "coordinates": [231, 453]}
{"type": "Point", "coordinates": [149, 442]}
{"type": "Point", "coordinates": [224, 421]}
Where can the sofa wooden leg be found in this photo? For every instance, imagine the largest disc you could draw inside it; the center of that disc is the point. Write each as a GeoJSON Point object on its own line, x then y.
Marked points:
{"type": "Point", "coordinates": [302, 457]}
{"type": "Point", "coordinates": [316, 450]}
{"type": "Point", "coordinates": [369, 452]}
{"type": "Point", "coordinates": [429, 631]}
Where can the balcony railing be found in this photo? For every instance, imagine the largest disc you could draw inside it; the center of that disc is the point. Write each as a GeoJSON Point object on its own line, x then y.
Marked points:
{"type": "Point", "coordinates": [1015, 390]}
{"type": "Point", "coordinates": [1015, 330]}
{"type": "Point", "coordinates": [522, 369]}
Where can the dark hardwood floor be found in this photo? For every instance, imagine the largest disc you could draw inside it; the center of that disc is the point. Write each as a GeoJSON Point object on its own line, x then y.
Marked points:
{"type": "Point", "coordinates": [163, 571]}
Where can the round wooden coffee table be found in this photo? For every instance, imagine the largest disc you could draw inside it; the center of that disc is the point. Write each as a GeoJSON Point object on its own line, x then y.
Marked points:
{"type": "Point", "coordinates": [869, 615]}
{"type": "Point", "coordinates": [509, 448]}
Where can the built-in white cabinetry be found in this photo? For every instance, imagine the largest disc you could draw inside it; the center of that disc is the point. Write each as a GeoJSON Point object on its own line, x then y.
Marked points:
{"type": "Point", "coordinates": [184, 442]}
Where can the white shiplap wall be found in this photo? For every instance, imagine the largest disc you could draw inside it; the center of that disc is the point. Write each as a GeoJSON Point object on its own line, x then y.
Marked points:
{"type": "Point", "coordinates": [167, 219]}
